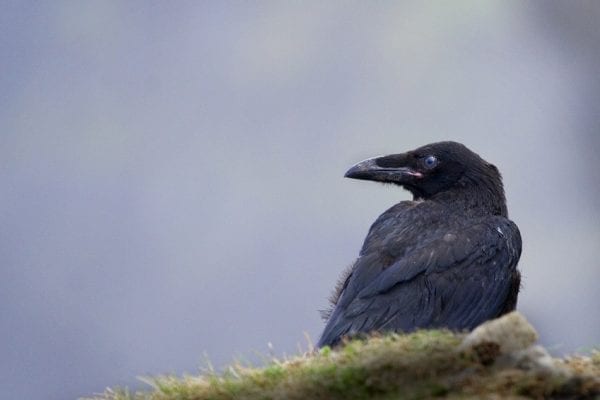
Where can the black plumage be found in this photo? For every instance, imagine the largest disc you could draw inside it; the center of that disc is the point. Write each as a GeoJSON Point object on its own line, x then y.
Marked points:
{"type": "Point", "coordinates": [447, 259]}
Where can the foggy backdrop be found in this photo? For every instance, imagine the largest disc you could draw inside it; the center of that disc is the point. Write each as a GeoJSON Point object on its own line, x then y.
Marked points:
{"type": "Point", "coordinates": [171, 172]}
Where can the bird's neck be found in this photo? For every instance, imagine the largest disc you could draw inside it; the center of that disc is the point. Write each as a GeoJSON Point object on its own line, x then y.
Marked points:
{"type": "Point", "coordinates": [475, 197]}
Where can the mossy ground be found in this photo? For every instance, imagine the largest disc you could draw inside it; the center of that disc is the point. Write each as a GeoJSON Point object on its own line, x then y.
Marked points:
{"type": "Point", "coordinates": [425, 364]}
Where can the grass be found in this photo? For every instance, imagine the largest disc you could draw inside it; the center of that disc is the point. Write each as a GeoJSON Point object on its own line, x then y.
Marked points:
{"type": "Point", "coordinates": [424, 364]}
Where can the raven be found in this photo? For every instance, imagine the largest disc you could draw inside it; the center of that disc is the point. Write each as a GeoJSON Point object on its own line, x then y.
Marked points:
{"type": "Point", "coordinates": [446, 259]}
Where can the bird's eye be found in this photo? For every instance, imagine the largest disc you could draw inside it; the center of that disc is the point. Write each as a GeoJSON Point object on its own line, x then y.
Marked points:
{"type": "Point", "coordinates": [430, 162]}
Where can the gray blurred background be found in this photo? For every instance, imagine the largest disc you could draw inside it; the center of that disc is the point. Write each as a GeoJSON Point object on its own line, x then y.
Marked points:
{"type": "Point", "coordinates": [171, 172]}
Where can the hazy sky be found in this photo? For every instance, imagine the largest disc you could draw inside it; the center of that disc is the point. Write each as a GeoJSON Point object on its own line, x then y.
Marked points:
{"type": "Point", "coordinates": [172, 171]}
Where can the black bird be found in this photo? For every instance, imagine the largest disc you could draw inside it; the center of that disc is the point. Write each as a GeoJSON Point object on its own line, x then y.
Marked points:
{"type": "Point", "coordinates": [446, 259]}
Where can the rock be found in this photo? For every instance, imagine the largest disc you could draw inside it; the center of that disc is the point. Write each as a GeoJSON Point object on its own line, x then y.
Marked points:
{"type": "Point", "coordinates": [509, 342]}
{"type": "Point", "coordinates": [510, 332]}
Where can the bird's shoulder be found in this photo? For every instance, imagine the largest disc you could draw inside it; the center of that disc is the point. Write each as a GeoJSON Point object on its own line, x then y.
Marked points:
{"type": "Point", "coordinates": [408, 223]}
{"type": "Point", "coordinates": [419, 222]}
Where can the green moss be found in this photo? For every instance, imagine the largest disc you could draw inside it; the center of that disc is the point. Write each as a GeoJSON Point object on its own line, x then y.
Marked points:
{"type": "Point", "coordinates": [425, 364]}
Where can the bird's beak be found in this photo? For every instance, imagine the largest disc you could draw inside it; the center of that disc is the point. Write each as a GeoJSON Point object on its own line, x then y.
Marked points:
{"type": "Point", "coordinates": [383, 169]}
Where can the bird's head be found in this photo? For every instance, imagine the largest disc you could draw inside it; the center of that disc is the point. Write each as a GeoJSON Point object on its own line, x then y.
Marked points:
{"type": "Point", "coordinates": [431, 169]}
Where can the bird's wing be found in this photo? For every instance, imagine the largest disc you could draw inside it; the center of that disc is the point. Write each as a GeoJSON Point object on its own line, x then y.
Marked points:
{"type": "Point", "coordinates": [455, 280]}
